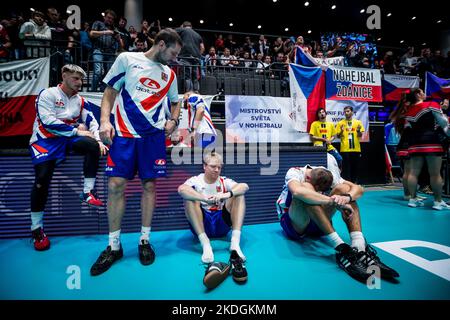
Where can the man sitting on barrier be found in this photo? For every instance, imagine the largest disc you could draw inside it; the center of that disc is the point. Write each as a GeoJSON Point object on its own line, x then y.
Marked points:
{"type": "Point", "coordinates": [213, 204]}
{"type": "Point", "coordinates": [305, 211]}
{"type": "Point", "coordinates": [62, 124]}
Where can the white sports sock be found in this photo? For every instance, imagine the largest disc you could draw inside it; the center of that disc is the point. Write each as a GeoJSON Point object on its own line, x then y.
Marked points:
{"type": "Point", "coordinates": [333, 239]}
{"type": "Point", "coordinates": [145, 233]}
{"type": "Point", "coordinates": [208, 255]}
{"type": "Point", "coordinates": [88, 184]}
{"type": "Point", "coordinates": [235, 243]}
{"type": "Point", "coordinates": [36, 220]}
{"type": "Point", "coordinates": [114, 240]}
{"type": "Point", "coordinates": [358, 240]}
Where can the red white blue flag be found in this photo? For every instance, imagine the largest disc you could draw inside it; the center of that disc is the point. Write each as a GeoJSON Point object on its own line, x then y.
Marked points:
{"type": "Point", "coordinates": [437, 88]}
{"type": "Point", "coordinates": [394, 85]}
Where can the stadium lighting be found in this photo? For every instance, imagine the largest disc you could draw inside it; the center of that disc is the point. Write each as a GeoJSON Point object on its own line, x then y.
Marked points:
{"type": "Point", "coordinates": [170, 19]}
{"type": "Point", "coordinates": [231, 24]}
{"type": "Point", "coordinates": [306, 3]}
{"type": "Point", "coordinates": [389, 14]}
{"type": "Point", "coordinates": [103, 14]}
{"type": "Point", "coordinates": [362, 11]}
{"type": "Point", "coordinates": [424, 44]}
{"type": "Point", "coordinates": [413, 18]}
{"type": "Point", "coordinates": [32, 10]}
{"type": "Point", "coordinates": [274, 1]}
{"type": "Point", "coordinates": [286, 29]}
{"type": "Point", "coordinates": [333, 7]}
{"type": "Point", "coordinates": [439, 21]}
{"type": "Point", "coordinates": [401, 41]}
{"type": "Point", "coordinates": [201, 21]}
{"type": "Point", "coordinates": [69, 12]}
{"type": "Point", "coordinates": [309, 31]}
{"type": "Point", "coordinates": [259, 26]}
{"type": "Point", "coordinates": [379, 39]}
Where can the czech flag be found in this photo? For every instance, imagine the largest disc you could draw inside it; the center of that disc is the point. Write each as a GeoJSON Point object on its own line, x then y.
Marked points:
{"type": "Point", "coordinates": [394, 85]}
{"type": "Point", "coordinates": [437, 88]}
{"type": "Point", "coordinates": [308, 94]}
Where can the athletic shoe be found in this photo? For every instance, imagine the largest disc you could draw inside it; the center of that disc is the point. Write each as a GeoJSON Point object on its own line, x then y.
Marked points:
{"type": "Point", "coordinates": [106, 260]}
{"type": "Point", "coordinates": [146, 253]}
{"type": "Point", "coordinates": [91, 199]}
{"type": "Point", "coordinates": [370, 258]}
{"type": "Point", "coordinates": [418, 197]}
{"type": "Point", "coordinates": [426, 190]}
{"type": "Point", "coordinates": [347, 258]}
{"type": "Point", "coordinates": [40, 239]}
{"type": "Point", "coordinates": [215, 274]}
{"type": "Point", "coordinates": [414, 203]}
{"type": "Point", "coordinates": [441, 206]}
{"type": "Point", "coordinates": [238, 269]}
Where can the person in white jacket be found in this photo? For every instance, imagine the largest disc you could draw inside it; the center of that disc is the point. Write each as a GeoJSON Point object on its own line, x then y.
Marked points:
{"type": "Point", "coordinates": [34, 33]}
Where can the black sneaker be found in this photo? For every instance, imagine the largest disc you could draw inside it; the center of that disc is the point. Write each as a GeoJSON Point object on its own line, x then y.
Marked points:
{"type": "Point", "coordinates": [238, 270]}
{"type": "Point", "coordinates": [348, 259]}
{"type": "Point", "coordinates": [146, 253]}
{"type": "Point", "coordinates": [215, 274]}
{"type": "Point", "coordinates": [106, 260]}
{"type": "Point", "coordinates": [371, 258]}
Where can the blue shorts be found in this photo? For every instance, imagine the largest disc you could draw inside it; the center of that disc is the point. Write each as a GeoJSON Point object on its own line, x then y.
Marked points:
{"type": "Point", "coordinates": [145, 155]}
{"type": "Point", "coordinates": [217, 223]}
{"type": "Point", "coordinates": [312, 230]}
{"type": "Point", "coordinates": [52, 149]}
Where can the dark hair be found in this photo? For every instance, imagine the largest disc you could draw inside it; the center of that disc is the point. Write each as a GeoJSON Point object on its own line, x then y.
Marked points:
{"type": "Point", "coordinates": [318, 111]}
{"type": "Point", "coordinates": [123, 18]}
{"type": "Point", "coordinates": [187, 24]}
{"type": "Point", "coordinates": [169, 36]}
{"type": "Point", "coordinates": [321, 179]}
{"type": "Point", "coordinates": [111, 12]}
{"type": "Point", "coordinates": [397, 115]}
{"type": "Point", "coordinates": [348, 107]}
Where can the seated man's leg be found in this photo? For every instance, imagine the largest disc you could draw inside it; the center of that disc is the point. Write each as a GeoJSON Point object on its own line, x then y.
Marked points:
{"type": "Point", "coordinates": [353, 224]}
{"type": "Point", "coordinates": [236, 207]}
{"type": "Point", "coordinates": [194, 215]}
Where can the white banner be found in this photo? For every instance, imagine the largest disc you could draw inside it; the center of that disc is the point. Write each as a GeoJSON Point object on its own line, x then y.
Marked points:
{"type": "Point", "coordinates": [336, 61]}
{"type": "Point", "coordinates": [24, 77]}
{"type": "Point", "coordinates": [255, 119]}
{"type": "Point", "coordinates": [335, 113]}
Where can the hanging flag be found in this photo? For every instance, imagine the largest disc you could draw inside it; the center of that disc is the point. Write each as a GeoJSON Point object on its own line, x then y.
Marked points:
{"type": "Point", "coordinates": [394, 85]}
{"type": "Point", "coordinates": [308, 94]}
{"type": "Point", "coordinates": [437, 88]}
{"type": "Point", "coordinates": [20, 83]}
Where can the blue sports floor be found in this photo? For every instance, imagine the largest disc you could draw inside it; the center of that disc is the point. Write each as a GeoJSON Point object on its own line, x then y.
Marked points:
{"type": "Point", "coordinates": [278, 268]}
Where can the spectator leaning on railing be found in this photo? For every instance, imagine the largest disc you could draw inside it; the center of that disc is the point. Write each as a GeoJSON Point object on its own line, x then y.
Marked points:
{"type": "Point", "coordinates": [33, 32]}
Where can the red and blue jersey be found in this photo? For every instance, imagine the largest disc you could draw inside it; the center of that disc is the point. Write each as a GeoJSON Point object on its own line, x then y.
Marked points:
{"type": "Point", "coordinates": [143, 85]}
{"type": "Point", "coordinates": [193, 103]}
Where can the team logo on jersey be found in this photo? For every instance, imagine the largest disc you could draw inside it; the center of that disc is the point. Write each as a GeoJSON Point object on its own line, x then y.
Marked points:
{"type": "Point", "coordinates": [149, 83]}
{"type": "Point", "coordinates": [59, 103]}
{"type": "Point", "coordinates": [160, 162]}
{"type": "Point", "coordinates": [164, 76]}
{"type": "Point", "coordinates": [39, 151]}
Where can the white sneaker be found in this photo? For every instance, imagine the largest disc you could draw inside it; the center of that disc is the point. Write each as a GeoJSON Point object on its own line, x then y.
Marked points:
{"type": "Point", "coordinates": [414, 203]}
{"type": "Point", "coordinates": [418, 197]}
{"type": "Point", "coordinates": [441, 206]}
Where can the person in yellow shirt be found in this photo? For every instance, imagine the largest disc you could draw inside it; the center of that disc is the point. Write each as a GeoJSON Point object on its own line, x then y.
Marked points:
{"type": "Point", "coordinates": [323, 132]}
{"type": "Point", "coordinates": [350, 130]}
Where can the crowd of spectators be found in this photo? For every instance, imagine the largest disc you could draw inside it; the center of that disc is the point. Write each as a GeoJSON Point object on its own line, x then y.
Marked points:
{"type": "Point", "coordinates": [100, 42]}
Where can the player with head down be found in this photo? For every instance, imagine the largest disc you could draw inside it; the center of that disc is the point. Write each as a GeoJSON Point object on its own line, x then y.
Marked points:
{"type": "Point", "coordinates": [305, 210]}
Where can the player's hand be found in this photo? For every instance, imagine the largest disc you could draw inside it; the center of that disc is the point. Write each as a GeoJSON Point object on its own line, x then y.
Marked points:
{"type": "Point", "coordinates": [107, 133]}
{"type": "Point", "coordinates": [103, 149]}
{"type": "Point", "coordinates": [169, 127]}
{"type": "Point", "coordinates": [346, 210]}
{"type": "Point", "coordinates": [340, 200]}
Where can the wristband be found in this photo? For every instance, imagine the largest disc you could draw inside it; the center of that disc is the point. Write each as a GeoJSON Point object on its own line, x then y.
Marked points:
{"type": "Point", "coordinates": [231, 194]}
{"type": "Point", "coordinates": [176, 121]}
{"type": "Point", "coordinates": [348, 195]}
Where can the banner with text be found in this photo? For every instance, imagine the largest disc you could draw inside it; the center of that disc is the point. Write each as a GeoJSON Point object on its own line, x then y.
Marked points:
{"type": "Point", "coordinates": [357, 84]}
{"type": "Point", "coordinates": [20, 83]}
{"type": "Point", "coordinates": [255, 119]}
{"type": "Point", "coordinates": [335, 113]}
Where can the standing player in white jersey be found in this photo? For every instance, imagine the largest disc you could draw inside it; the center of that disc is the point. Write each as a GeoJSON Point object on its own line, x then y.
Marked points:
{"type": "Point", "coordinates": [62, 124]}
{"type": "Point", "coordinates": [214, 204]}
{"type": "Point", "coordinates": [201, 127]}
{"type": "Point", "coordinates": [141, 81]}
{"type": "Point", "coordinates": [306, 211]}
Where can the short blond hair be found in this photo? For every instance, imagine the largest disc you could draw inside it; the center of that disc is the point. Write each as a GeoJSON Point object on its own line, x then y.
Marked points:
{"type": "Point", "coordinates": [207, 158]}
{"type": "Point", "coordinates": [73, 68]}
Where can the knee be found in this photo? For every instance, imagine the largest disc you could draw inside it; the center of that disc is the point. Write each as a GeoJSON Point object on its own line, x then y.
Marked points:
{"type": "Point", "coordinates": [149, 186]}
{"type": "Point", "coordinates": [340, 189]}
{"type": "Point", "coordinates": [116, 187]}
